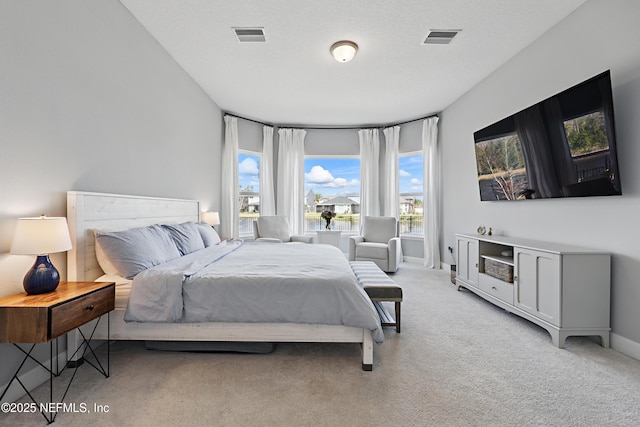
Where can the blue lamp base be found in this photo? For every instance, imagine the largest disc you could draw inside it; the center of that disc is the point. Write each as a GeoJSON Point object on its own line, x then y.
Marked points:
{"type": "Point", "coordinates": [42, 278]}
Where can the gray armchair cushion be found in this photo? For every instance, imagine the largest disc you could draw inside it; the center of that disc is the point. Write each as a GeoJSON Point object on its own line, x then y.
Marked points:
{"type": "Point", "coordinates": [372, 250]}
{"type": "Point", "coordinates": [379, 229]}
{"type": "Point", "coordinates": [267, 240]}
{"type": "Point", "coordinates": [274, 227]}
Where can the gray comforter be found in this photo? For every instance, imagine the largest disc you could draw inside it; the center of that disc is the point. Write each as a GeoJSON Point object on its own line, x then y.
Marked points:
{"type": "Point", "coordinates": [266, 283]}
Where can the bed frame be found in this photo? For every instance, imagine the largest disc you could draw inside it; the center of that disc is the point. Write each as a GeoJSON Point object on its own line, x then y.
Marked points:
{"type": "Point", "coordinates": [87, 212]}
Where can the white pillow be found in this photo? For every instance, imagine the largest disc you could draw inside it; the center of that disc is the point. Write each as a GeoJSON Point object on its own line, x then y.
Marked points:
{"type": "Point", "coordinates": [209, 236]}
{"type": "Point", "coordinates": [103, 261]}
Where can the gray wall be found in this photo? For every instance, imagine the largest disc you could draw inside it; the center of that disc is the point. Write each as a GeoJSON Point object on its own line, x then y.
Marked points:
{"type": "Point", "coordinates": [598, 36]}
{"type": "Point", "coordinates": [89, 101]}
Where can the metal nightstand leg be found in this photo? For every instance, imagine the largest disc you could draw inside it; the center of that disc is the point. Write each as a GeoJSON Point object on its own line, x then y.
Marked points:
{"type": "Point", "coordinates": [51, 416]}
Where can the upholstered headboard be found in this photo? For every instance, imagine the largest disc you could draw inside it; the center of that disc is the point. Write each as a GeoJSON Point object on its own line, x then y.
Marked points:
{"type": "Point", "coordinates": [87, 212]}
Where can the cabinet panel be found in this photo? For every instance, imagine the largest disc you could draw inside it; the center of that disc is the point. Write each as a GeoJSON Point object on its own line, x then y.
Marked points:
{"type": "Point", "coordinates": [463, 259]}
{"type": "Point", "coordinates": [537, 284]}
{"type": "Point", "coordinates": [468, 256]}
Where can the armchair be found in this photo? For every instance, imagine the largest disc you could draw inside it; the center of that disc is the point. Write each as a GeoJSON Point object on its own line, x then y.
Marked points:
{"type": "Point", "coordinates": [379, 243]}
{"type": "Point", "coordinates": [276, 229]}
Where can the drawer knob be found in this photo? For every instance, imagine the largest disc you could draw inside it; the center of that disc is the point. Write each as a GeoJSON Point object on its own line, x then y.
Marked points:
{"type": "Point", "coordinates": [494, 288]}
{"type": "Point", "coordinates": [90, 307]}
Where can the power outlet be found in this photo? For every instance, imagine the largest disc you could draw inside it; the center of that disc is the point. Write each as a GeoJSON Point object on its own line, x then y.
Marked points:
{"type": "Point", "coordinates": [450, 250]}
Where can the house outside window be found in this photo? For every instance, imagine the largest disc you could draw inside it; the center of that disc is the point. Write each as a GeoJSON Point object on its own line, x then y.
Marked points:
{"type": "Point", "coordinates": [248, 191]}
{"type": "Point", "coordinates": [332, 184]}
{"type": "Point", "coordinates": [411, 208]}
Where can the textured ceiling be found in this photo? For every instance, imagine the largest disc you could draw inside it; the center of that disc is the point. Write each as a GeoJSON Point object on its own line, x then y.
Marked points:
{"type": "Point", "coordinates": [293, 80]}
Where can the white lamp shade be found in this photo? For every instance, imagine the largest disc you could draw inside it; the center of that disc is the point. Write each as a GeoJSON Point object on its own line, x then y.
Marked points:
{"type": "Point", "coordinates": [41, 236]}
{"type": "Point", "coordinates": [211, 218]}
{"type": "Point", "coordinates": [344, 51]}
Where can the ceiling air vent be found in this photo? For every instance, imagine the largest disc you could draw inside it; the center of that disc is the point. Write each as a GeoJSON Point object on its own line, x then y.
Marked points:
{"type": "Point", "coordinates": [250, 35]}
{"type": "Point", "coordinates": [440, 36]}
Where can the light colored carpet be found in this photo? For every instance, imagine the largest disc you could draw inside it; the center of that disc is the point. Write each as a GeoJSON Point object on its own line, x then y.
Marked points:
{"type": "Point", "coordinates": [459, 361]}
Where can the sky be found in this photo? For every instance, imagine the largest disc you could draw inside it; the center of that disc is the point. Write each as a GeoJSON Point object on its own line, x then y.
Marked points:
{"type": "Point", "coordinates": [333, 176]}
{"type": "Point", "coordinates": [249, 172]}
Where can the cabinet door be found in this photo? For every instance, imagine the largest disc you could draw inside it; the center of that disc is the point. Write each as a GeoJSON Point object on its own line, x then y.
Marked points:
{"type": "Point", "coordinates": [467, 250]}
{"type": "Point", "coordinates": [537, 284]}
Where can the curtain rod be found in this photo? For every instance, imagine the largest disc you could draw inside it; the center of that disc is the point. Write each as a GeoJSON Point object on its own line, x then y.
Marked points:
{"type": "Point", "coordinates": [330, 127]}
{"type": "Point", "coordinates": [247, 119]}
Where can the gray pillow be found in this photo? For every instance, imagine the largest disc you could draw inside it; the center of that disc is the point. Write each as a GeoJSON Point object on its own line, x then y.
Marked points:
{"type": "Point", "coordinates": [209, 235]}
{"type": "Point", "coordinates": [186, 235]}
{"type": "Point", "coordinates": [135, 250]}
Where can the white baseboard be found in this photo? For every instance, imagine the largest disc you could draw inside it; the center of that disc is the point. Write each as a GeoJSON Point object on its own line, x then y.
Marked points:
{"type": "Point", "coordinates": [445, 266]}
{"type": "Point", "coordinates": [625, 346]}
{"type": "Point", "coordinates": [31, 379]}
{"type": "Point", "coordinates": [412, 259]}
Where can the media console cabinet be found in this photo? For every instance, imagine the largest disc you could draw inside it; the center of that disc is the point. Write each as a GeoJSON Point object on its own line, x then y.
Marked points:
{"type": "Point", "coordinates": [564, 289]}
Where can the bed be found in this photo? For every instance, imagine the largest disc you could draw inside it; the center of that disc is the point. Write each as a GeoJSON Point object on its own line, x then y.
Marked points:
{"type": "Point", "coordinates": [88, 212]}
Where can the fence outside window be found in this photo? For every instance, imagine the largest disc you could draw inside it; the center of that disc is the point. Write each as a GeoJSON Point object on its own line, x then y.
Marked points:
{"type": "Point", "coordinates": [409, 224]}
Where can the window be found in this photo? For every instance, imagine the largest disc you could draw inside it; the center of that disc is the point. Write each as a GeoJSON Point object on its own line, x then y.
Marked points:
{"type": "Point", "coordinates": [248, 191]}
{"type": "Point", "coordinates": [411, 208]}
{"type": "Point", "coordinates": [332, 184]}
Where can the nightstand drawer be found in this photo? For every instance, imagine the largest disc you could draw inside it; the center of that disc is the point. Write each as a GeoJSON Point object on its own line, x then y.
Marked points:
{"type": "Point", "coordinates": [76, 312]}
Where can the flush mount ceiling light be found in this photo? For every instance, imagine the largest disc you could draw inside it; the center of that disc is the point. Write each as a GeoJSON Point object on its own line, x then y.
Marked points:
{"type": "Point", "coordinates": [344, 50]}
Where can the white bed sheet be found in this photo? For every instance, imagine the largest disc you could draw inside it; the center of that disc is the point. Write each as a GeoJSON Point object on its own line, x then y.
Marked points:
{"type": "Point", "coordinates": [123, 289]}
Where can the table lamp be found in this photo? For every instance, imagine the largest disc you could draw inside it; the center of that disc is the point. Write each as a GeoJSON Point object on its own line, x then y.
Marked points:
{"type": "Point", "coordinates": [41, 236]}
{"type": "Point", "coordinates": [211, 218]}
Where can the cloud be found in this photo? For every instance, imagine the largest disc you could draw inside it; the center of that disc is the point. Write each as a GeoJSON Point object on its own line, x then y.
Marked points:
{"type": "Point", "coordinates": [415, 181]}
{"type": "Point", "coordinates": [319, 175]}
{"type": "Point", "coordinates": [248, 167]}
{"type": "Point", "coordinates": [319, 178]}
{"type": "Point", "coordinates": [403, 173]}
{"type": "Point", "coordinates": [340, 182]}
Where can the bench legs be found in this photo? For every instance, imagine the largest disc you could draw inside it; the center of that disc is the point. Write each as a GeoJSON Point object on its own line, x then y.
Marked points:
{"type": "Point", "coordinates": [385, 317]}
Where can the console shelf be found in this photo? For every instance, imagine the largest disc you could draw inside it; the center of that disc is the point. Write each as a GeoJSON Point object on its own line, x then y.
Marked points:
{"type": "Point", "coordinates": [564, 289]}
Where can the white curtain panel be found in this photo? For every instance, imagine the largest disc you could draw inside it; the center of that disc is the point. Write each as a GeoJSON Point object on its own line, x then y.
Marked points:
{"type": "Point", "coordinates": [431, 192]}
{"type": "Point", "coordinates": [391, 177]}
{"type": "Point", "coordinates": [369, 173]}
{"type": "Point", "coordinates": [267, 196]}
{"type": "Point", "coordinates": [229, 194]}
{"type": "Point", "coordinates": [291, 177]}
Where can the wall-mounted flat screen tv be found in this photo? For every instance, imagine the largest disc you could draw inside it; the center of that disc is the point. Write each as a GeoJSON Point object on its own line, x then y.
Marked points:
{"type": "Point", "coordinates": [564, 146]}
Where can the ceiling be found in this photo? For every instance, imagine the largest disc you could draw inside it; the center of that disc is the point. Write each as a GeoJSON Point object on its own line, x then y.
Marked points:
{"type": "Point", "coordinates": [292, 79]}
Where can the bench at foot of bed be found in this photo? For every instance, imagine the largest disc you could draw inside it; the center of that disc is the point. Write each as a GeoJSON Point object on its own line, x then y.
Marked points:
{"type": "Point", "coordinates": [380, 288]}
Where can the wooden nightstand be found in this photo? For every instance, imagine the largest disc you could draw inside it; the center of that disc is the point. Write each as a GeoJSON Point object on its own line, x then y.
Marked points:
{"type": "Point", "coordinates": [34, 319]}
